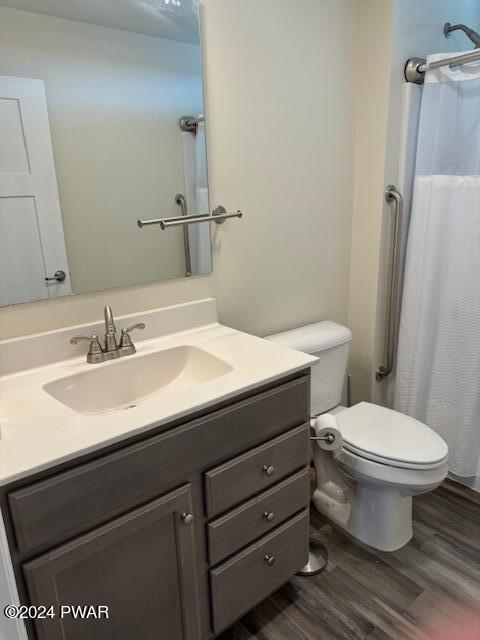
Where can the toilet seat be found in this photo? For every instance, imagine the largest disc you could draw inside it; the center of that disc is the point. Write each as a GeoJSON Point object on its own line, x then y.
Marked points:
{"type": "Point", "coordinates": [387, 475]}
{"type": "Point", "coordinates": [399, 464]}
{"type": "Point", "coordinates": [390, 438]}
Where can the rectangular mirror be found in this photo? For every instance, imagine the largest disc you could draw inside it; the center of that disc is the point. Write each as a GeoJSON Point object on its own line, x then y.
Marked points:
{"type": "Point", "coordinates": [101, 123]}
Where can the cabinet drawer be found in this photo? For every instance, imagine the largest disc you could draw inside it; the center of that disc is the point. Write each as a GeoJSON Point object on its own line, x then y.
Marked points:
{"type": "Point", "coordinates": [253, 574]}
{"type": "Point", "coordinates": [64, 505]}
{"type": "Point", "coordinates": [258, 516]}
{"type": "Point", "coordinates": [257, 469]}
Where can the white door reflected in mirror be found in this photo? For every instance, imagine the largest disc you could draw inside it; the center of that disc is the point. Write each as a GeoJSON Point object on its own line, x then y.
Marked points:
{"type": "Point", "coordinates": [94, 93]}
{"type": "Point", "coordinates": [32, 244]}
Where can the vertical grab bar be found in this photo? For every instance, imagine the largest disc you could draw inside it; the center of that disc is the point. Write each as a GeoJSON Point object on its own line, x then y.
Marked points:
{"type": "Point", "coordinates": [391, 334]}
{"type": "Point", "coordinates": [180, 200]}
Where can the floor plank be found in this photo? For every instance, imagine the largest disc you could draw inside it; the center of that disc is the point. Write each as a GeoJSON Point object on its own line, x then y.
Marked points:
{"type": "Point", "coordinates": [366, 594]}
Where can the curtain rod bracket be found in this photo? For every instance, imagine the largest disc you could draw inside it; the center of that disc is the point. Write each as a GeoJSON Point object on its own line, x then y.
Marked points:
{"type": "Point", "coordinates": [413, 72]}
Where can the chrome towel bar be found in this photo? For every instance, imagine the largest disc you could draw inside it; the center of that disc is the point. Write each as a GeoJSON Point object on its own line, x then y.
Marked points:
{"type": "Point", "coordinates": [391, 332]}
{"type": "Point", "coordinates": [219, 215]}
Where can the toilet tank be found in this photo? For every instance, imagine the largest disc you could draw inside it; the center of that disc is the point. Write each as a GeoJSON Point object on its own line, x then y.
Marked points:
{"type": "Point", "coordinates": [330, 342]}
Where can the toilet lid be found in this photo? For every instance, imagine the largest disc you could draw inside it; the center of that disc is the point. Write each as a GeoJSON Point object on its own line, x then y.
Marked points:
{"type": "Point", "coordinates": [387, 436]}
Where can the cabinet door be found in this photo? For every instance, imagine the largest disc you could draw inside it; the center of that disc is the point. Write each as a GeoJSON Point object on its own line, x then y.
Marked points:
{"type": "Point", "coordinates": [141, 566]}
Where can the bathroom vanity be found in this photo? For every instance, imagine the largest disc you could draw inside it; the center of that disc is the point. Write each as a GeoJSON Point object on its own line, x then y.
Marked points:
{"type": "Point", "coordinates": [178, 523]}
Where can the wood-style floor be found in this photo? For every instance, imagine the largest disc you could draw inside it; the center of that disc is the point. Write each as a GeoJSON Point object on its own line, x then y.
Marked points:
{"type": "Point", "coordinates": [368, 594]}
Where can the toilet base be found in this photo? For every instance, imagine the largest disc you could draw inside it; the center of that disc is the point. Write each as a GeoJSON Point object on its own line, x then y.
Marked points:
{"type": "Point", "coordinates": [378, 516]}
{"type": "Point", "coordinates": [381, 517]}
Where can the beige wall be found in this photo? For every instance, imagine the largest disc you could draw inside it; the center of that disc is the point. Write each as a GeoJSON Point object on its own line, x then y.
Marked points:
{"type": "Point", "coordinates": [114, 99]}
{"type": "Point", "coordinates": [372, 111]}
{"type": "Point", "coordinates": [281, 105]}
{"type": "Point", "coordinates": [280, 86]}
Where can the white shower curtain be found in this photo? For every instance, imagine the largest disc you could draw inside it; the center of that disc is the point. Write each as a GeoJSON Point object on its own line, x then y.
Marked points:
{"type": "Point", "coordinates": [438, 363]}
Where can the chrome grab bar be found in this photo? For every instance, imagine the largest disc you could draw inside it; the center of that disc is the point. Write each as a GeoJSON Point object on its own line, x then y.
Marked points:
{"type": "Point", "coordinates": [182, 203]}
{"type": "Point", "coordinates": [219, 215]}
{"type": "Point", "coordinates": [391, 334]}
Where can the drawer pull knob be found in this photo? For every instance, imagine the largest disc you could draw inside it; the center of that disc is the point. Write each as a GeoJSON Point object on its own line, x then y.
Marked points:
{"type": "Point", "coordinates": [268, 469]}
{"type": "Point", "coordinates": [269, 516]}
{"type": "Point", "coordinates": [270, 560]}
{"type": "Point", "coordinates": [187, 518]}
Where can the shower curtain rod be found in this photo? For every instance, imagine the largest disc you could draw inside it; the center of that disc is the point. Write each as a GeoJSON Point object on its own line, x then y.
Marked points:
{"type": "Point", "coordinates": [416, 67]}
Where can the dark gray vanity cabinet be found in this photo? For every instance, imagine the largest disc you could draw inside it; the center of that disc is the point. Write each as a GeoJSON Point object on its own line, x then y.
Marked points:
{"type": "Point", "coordinates": [141, 566]}
{"type": "Point", "coordinates": [178, 532]}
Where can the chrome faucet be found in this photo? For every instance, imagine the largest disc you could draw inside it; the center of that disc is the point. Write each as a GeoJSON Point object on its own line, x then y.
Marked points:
{"type": "Point", "coordinates": [111, 349]}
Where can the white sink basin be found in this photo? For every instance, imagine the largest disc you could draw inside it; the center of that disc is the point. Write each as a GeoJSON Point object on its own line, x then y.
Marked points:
{"type": "Point", "coordinates": [125, 383]}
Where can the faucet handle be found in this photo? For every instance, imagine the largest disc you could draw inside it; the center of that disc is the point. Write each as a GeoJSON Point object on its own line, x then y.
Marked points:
{"type": "Point", "coordinates": [95, 352]}
{"type": "Point", "coordinates": [139, 325]}
{"type": "Point", "coordinates": [126, 345]}
{"type": "Point", "coordinates": [93, 338]}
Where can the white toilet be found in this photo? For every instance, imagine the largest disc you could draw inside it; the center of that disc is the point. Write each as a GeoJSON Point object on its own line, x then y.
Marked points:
{"type": "Point", "coordinates": [366, 486]}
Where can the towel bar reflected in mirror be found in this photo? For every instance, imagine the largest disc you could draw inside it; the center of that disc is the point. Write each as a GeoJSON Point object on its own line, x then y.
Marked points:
{"type": "Point", "coordinates": [219, 215]}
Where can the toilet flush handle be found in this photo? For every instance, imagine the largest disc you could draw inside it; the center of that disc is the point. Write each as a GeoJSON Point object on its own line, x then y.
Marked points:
{"type": "Point", "coordinates": [328, 437]}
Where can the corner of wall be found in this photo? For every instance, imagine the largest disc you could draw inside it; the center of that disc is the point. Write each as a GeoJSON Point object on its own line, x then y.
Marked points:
{"type": "Point", "coordinates": [370, 158]}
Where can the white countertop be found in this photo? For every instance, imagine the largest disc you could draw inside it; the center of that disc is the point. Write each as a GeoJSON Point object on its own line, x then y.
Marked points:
{"type": "Point", "coordinates": [38, 432]}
